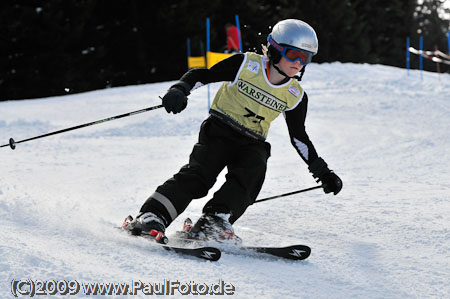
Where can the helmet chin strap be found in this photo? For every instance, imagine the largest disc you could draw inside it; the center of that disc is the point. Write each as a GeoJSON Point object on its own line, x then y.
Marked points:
{"type": "Point", "coordinates": [284, 74]}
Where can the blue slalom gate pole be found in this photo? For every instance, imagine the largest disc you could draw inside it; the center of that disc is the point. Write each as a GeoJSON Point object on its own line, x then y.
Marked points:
{"type": "Point", "coordinates": [188, 47]}
{"type": "Point", "coordinates": [207, 50]}
{"type": "Point", "coordinates": [448, 40]}
{"type": "Point", "coordinates": [407, 54]}
{"type": "Point", "coordinates": [207, 35]}
{"type": "Point", "coordinates": [239, 33]}
{"type": "Point", "coordinates": [421, 57]}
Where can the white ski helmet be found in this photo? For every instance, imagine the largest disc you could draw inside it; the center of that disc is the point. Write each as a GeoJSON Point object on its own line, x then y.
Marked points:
{"type": "Point", "coordinates": [295, 33]}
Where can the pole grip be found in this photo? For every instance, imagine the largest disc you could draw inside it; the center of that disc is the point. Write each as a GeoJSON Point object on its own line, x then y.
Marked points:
{"type": "Point", "coordinates": [12, 143]}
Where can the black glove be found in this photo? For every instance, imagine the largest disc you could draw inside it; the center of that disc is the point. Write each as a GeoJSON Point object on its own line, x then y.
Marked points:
{"type": "Point", "coordinates": [175, 100]}
{"type": "Point", "coordinates": [330, 181]}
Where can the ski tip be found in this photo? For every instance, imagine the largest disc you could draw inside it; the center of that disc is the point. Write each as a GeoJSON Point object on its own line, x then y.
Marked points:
{"type": "Point", "coordinates": [210, 253]}
{"type": "Point", "coordinates": [206, 253]}
{"type": "Point", "coordinates": [299, 252]}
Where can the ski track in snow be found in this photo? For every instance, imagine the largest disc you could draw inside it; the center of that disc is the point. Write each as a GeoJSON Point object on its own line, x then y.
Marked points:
{"type": "Point", "coordinates": [386, 235]}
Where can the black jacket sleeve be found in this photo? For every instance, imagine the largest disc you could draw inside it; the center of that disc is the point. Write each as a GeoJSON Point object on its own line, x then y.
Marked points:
{"type": "Point", "coordinates": [295, 120]}
{"type": "Point", "coordinates": [225, 70]}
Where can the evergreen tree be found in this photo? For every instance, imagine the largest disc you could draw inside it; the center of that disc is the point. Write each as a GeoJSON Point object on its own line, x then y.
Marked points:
{"type": "Point", "coordinates": [433, 29]}
{"type": "Point", "coordinates": [386, 24]}
{"type": "Point", "coordinates": [58, 46]}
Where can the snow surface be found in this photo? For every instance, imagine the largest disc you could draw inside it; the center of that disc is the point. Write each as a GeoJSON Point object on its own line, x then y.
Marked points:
{"type": "Point", "coordinates": [386, 235]}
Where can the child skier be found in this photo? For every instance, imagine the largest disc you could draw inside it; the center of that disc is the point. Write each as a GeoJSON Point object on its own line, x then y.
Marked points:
{"type": "Point", "coordinates": [256, 90]}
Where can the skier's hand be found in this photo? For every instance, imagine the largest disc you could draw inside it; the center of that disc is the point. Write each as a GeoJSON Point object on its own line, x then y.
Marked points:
{"type": "Point", "coordinates": [174, 100]}
{"type": "Point", "coordinates": [330, 181]}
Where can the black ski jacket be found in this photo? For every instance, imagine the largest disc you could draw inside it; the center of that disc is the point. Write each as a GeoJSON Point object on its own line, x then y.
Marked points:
{"type": "Point", "coordinates": [226, 70]}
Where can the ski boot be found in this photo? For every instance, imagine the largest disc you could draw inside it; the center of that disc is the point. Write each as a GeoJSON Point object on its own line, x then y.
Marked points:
{"type": "Point", "coordinates": [211, 227]}
{"type": "Point", "coordinates": [148, 225]}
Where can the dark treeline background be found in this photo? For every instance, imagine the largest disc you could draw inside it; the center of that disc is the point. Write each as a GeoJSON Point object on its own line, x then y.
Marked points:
{"type": "Point", "coordinates": [57, 47]}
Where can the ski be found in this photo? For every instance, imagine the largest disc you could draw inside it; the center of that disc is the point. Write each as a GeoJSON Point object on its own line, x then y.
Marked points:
{"type": "Point", "coordinates": [208, 253]}
{"type": "Point", "coordinates": [202, 252]}
{"type": "Point", "coordinates": [293, 252]}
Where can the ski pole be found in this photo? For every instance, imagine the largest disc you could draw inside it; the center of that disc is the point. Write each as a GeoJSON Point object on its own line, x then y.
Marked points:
{"type": "Point", "coordinates": [290, 193]}
{"type": "Point", "coordinates": [12, 143]}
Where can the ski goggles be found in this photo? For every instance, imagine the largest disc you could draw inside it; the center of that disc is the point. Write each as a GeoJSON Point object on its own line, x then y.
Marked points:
{"type": "Point", "coordinates": [291, 53]}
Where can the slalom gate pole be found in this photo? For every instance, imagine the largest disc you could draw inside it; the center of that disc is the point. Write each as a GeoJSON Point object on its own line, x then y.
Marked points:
{"type": "Point", "coordinates": [421, 57]}
{"type": "Point", "coordinates": [407, 54]}
{"type": "Point", "coordinates": [207, 51]}
{"type": "Point", "coordinates": [448, 41]}
{"type": "Point", "coordinates": [290, 193]}
{"type": "Point", "coordinates": [438, 67]}
{"type": "Point", "coordinates": [239, 33]}
{"type": "Point", "coordinates": [13, 143]}
{"type": "Point", "coordinates": [188, 47]}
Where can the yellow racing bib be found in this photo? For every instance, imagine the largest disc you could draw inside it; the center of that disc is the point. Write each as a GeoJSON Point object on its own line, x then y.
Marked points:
{"type": "Point", "coordinates": [250, 103]}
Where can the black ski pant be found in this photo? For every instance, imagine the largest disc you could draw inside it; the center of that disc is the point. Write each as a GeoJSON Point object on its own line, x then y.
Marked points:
{"type": "Point", "coordinates": [219, 146]}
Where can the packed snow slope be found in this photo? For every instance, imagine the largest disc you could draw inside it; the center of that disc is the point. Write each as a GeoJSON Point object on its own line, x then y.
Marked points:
{"type": "Point", "coordinates": [386, 235]}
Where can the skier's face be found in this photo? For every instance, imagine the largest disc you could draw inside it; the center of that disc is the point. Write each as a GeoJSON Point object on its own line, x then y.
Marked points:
{"type": "Point", "coordinates": [290, 68]}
